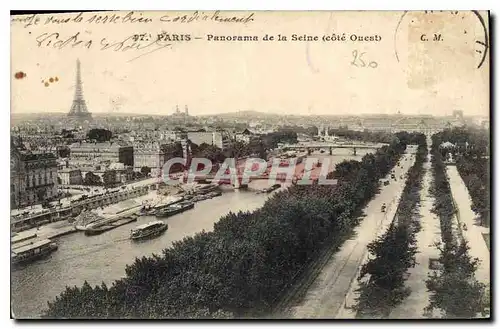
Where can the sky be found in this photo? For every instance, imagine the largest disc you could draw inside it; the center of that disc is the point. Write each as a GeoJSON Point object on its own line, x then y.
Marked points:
{"type": "Point", "coordinates": [286, 77]}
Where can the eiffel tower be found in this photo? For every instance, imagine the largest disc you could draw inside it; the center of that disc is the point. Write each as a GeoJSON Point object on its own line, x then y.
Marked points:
{"type": "Point", "coordinates": [79, 108]}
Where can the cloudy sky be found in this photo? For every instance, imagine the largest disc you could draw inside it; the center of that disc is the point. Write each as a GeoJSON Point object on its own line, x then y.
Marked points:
{"type": "Point", "coordinates": [292, 77]}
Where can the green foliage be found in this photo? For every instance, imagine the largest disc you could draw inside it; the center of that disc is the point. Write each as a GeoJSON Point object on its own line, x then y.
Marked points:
{"type": "Point", "coordinates": [394, 252]}
{"type": "Point", "coordinates": [246, 264]}
{"type": "Point", "coordinates": [472, 160]}
{"type": "Point", "coordinates": [207, 151]}
{"type": "Point", "coordinates": [454, 290]}
{"type": "Point", "coordinates": [100, 135]}
{"type": "Point", "coordinates": [145, 171]}
{"type": "Point", "coordinates": [108, 178]}
{"type": "Point", "coordinates": [63, 152]}
{"type": "Point", "coordinates": [271, 140]}
{"type": "Point", "coordinates": [92, 179]}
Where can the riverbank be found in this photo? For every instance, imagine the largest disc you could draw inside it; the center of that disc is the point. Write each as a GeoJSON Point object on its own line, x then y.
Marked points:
{"type": "Point", "coordinates": [103, 258]}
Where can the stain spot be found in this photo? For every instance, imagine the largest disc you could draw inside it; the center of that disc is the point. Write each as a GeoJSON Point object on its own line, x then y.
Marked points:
{"type": "Point", "coordinates": [56, 79]}
{"type": "Point", "coordinates": [46, 84]}
{"type": "Point", "coordinates": [20, 75]}
{"type": "Point", "coordinates": [465, 31]}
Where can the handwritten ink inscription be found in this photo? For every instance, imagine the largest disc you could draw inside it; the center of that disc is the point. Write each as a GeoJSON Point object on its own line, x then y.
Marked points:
{"type": "Point", "coordinates": [358, 60]}
{"type": "Point", "coordinates": [136, 42]}
{"type": "Point", "coordinates": [132, 18]}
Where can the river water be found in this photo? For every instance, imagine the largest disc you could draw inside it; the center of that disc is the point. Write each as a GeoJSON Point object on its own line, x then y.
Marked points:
{"type": "Point", "coordinates": [103, 258]}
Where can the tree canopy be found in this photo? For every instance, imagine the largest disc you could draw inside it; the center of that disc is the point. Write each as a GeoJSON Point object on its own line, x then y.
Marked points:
{"type": "Point", "coordinates": [245, 265]}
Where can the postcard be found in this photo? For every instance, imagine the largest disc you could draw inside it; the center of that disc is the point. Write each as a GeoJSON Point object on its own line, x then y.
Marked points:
{"type": "Point", "coordinates": [250, 165]}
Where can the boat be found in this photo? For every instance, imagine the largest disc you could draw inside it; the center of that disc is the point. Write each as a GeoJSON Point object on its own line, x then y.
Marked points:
{"type": "Point", "coordinates": [106, 227]}
{"type": "Point", "coordinates": [270, 189]}
{"type": "Point", "coordinates": [202, 197]}
{"type": "Point", "coordinates": [146, 211]}
{"type": "Point", "coordinates": [19, 237]}
{"type": "Point", "coordinates": [205, 189]}
{"type": "Point", "coordinates": [89, 219]}
{"type": "Point", "coordinates": [214, 194]}
{"type": "Point", "coordinates": [164, 205]}
{"type": "Point", "coordinates": [32, 251]}
{"type": "Point", "coordinates": [175, 209]}
{"type": "Point", "coordinates": [148, 230]}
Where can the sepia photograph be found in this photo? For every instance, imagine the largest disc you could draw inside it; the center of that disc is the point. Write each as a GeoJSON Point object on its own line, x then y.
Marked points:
{"type": "Point", "coordinates": [267, 165]}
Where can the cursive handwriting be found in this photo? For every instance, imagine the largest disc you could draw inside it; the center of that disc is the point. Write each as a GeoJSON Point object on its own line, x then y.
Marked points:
{"type": "Point", "coordinates": [132, 43]}
{"type": "Point", "coordinates": [132, 17]}
{"type": "Point", "coordinates": [26, 20]}
{"type": "Point", "coordinates": [54, 40]}
{"type": "Point", "coordinates": [129, 44]}
{"type": "Point", "coordinates": [202, 16]}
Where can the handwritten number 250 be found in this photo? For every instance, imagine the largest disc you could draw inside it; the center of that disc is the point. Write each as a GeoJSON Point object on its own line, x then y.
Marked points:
{"type": "Point", "coordinates": [359, 62]}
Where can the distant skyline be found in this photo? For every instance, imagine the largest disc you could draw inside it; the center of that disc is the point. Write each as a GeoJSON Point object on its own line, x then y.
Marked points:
{"type": "Point", "coordinates": [284, 78]}
{"type": "Point", "coordinates": [118, 114]}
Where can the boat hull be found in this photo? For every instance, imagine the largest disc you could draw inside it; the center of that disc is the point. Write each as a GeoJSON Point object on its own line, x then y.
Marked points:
{"type": "Point", "coordinates": [169, 213]}
{"type": "Point", "coordinates": [16, 262]}
{"type": "Point", "coordinates": [149, 235]}
{"type": "Point", "coordinates": [108, 227]}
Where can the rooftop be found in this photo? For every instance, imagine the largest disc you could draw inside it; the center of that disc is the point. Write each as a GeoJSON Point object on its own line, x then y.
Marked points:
{"type": "Point", "coordinates": [143, 226]}
{"type": "Point", "coordinates": [31, 245]}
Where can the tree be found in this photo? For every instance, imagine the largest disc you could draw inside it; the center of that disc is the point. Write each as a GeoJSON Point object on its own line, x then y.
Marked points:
{"type": "Point", "coordinates": [67, 134]}
{"type": "Point", "coordinates": [145, 171]}
{"type": "Point", "coordinates": [346, 169]}
{"type": "Point", "coordinates": [100, 135]}
{"type": "Point", "coordinates": [91, 179]}
{"type": "Point", "coordinates": [454, 289]}
{"type": "Point", "coordinates": [211, 152]}
{"type": "Point", "coordinates": [40, 193]}
{"type": "Point", "coordinates": [109, 178]}
{"type": "Point", "coordinates": [394, 252]}
{"type": "Point", "coordinates": [244, 266]}
{"type": "Point", "coordinates": [63, 152]}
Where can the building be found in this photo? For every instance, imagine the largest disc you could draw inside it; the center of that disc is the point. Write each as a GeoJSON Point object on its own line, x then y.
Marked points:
{"type": "Point", "coordinates": [245, 136]}
{"type": "Point", "coordinates": [70, 176]}
{"type": "Point", "coordinates": [33, 177]}
{"type": "Point", "coordinates": [108, 151]}
{"type": "Point", "coordinates": [151, 155]}
{"type": "Point", "coordinates": [217, 138]}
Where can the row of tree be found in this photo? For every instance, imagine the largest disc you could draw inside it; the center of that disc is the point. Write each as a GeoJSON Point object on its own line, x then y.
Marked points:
{"type": "Point", "coordinates": [246, 264]}
{"type": "Point", "coordinates": [454, 290]}
{"type": "Point", "coordinates": [394, 251]}
{"type": "Point", "coordinates": [471, 155]}
{"type": "Point", "coordinates": [109, 177]}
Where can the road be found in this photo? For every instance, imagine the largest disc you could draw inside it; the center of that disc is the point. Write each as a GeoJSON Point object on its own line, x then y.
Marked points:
{"type": "Point", "coordinates": [473, 233]}
{"type": "Point", "coordinates": [413, 306]}
{"type": "Point", "coordinates": [327, 294]}
{"type": "Point", "coordinates": [66, 202]}
{"type": "Point", "coordinates": [102, 258]}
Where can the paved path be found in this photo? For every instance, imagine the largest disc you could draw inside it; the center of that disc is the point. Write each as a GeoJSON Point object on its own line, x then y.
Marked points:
{"type": "Point", "coordinates": [327, 294]}
{"type": "Point", "coordinates": [473, 233]}
{"type": "Point", "coordinates": [413, 306]}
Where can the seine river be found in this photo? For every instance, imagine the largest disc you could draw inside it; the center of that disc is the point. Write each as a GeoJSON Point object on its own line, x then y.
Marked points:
{"type": "Point", "coordinates": [103, 258]}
